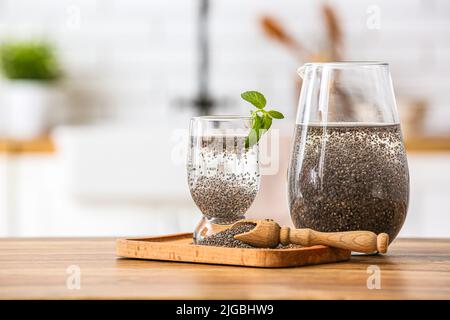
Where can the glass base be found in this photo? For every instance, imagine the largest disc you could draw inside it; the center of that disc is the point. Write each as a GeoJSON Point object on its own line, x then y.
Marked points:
{"type": "Point", "coordinates": [209, 226]}
{"type": "Point", "coordinates": [375, 253]}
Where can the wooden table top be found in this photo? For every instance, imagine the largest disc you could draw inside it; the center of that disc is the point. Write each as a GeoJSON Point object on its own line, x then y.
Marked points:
{"type": "Point", "coordinates": [38, 145]}
{"type": "Point", "coordinates": [440, 144]}
{"type": "Point", "coordinates": [40, 268]}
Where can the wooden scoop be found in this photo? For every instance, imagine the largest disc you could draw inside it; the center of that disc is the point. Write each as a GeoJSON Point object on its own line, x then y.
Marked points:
{"type": "Point", "coordinates": [268, 234]}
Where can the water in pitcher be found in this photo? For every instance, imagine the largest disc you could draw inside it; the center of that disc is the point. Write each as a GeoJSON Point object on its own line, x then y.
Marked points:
{"type": "Point", "coordinates": [349, 177]}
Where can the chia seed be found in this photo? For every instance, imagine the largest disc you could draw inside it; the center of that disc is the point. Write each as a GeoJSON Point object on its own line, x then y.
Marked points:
{"type": "Point", "coordinates": [226, 238]}
{"type": "Point", "coordinates": [345, 178]}
{"type": "Point", "coordinates": [223, 176]}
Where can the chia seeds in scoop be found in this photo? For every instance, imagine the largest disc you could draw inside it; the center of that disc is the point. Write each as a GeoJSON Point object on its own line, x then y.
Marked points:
{"type": "Point", "coordinates": [226, 238]}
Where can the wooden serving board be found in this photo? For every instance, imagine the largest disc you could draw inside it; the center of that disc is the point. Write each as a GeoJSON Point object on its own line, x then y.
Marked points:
{"type": "Point", "coordinates": [179, 247]}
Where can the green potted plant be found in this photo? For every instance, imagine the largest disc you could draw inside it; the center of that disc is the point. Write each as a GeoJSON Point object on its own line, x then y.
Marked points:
{"type": "Point", "coordinates": [29, 94]}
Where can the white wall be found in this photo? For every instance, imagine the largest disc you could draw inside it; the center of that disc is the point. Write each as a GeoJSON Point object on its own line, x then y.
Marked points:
{"type": "Point", "coordinates": [133, 59]}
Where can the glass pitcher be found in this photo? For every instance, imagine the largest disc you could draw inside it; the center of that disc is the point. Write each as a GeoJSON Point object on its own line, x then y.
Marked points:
{"type": "Point", "coordinates": [348, 169]}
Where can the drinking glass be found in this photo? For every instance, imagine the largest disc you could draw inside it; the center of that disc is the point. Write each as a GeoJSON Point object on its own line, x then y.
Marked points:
{"type": "Point", "coordinates": [348, 168]}
{"type": "Point", "coordinates": [223, 174]}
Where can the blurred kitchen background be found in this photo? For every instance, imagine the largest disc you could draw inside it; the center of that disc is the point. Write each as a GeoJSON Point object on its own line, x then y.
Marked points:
{"type": "Point", "coordinates": [96, 96]}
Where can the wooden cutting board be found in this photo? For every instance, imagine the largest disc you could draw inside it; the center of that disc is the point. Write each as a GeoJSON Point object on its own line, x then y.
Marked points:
{"type": "Point", "coordinates": [179, 247]}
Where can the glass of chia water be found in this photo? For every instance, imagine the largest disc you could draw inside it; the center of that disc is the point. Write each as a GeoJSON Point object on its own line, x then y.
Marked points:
{"type": "Point", "coordinates": [222, 171]}
{"type": "Point", "coordinates": [348, 169]}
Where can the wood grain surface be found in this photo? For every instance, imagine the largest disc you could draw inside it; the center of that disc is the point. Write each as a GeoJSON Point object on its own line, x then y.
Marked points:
{"type": "Point", "coordinates": [427, 144]}
{"type": "Point", "coordinates": [178, 247]}
{"type": "Point", "coordinates": [46, 145]}
{"type": "Point", "coordinates": [38, 145]}
{"type": "Point", "coordinates": [37, 268]}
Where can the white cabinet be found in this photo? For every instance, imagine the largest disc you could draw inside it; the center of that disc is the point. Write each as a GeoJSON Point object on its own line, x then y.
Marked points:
{"type": "Point", "coordinates": [429, 206]}
{"type": "Point", "coordinates": [28, 189]}
{"type": "Point", "coordinates": [35, 200]}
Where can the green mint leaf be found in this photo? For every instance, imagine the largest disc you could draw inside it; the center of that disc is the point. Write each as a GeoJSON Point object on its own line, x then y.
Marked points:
{"type": "Point", "coordinates": [267, 122]}
{"type": "Point", "coordinates": [252, 138]}
{"type": "Point", "coordinates": [255, 132]}
{"type": "Point", "coordinates": [258, 123]}
{"type": "Point", "coordinates": [255, 98]}
{"type": "Point", "coordinates": [261, 120]}
{"type": "Point", "coordinates": [276, 114]}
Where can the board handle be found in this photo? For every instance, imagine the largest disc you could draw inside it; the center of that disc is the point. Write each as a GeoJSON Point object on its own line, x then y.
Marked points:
{"type": "Point", "coordinates": [359, 241]}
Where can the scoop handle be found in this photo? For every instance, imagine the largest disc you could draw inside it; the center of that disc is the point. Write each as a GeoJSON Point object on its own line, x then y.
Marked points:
{"type": "Point", "coordinates": [358, 241]}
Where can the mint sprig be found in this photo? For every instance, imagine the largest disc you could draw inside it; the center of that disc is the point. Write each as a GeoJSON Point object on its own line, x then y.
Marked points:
{"type": "Point", "coordinates": [261, 119]}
